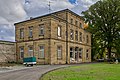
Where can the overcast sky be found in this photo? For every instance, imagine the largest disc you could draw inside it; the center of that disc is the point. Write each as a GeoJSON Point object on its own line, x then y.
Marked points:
{"type": "Point", "coordinates": [12, 11]}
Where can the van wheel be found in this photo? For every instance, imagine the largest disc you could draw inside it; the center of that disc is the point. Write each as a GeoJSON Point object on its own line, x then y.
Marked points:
{"type": "Point", "coordinates": [26, 65]}
{"type": "Point", "coordinates": [31, 64]}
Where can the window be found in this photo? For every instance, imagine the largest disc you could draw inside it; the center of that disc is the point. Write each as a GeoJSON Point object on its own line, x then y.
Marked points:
{"type": "Point", "coordinates": [59, 31]}
{"type": "Point", "coordinates": [30, 51]}
{"type": "Point", "coordinates": [83, 37]}
{"type": "Point", "coordinates": [41, 30]}
{"type": "Point", "coordinates": [76, 23]}
{"type": "Point", "coordinates": [87, 54]}
{"type": "Point", "coordinates": [76, 35]}
{"type": "Point", "coordinates": [71, 53]}
{"type": "Point", "coordinates": [41, 52]}
{"type": "Point", "coordinates": [81, 26]}
{"type": "Point", "coordinates": [87, 39]}
{"type": "Point", "coordinates": [80, 53]}
{"type": "Point", "coordinates": [71, 34]}
{"type": "Point", "coordinates": [30, 32]}
{"type": "Point", "coordinates": [21, 52]}
{"type": "Point", "coordinates": [71, 21]}
{"type": "Point", "coordinates": [59, 52]}
{"type": "Point", "coordinates": [21, 33]}
{"type": "Point", "coordinates": [80, 36]}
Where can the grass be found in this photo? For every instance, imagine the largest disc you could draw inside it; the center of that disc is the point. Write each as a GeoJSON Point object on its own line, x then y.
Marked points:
{"type": "Point", "coordinates": [100, 71]}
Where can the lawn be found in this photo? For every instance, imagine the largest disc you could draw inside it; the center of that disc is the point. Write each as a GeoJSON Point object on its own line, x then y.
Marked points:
{"type": "Point", "coordinates": [102, 71]}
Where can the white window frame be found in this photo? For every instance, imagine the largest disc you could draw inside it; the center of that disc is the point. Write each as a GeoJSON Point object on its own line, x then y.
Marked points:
{"type": "Point", "coordinates": [87, 54]}
{"type": "Point", "coordinates": [76, 35]}
{"type": "Point", "coordinates": [80, 36]}
{"type": "Point", "coordinates": [80, 53]}
{"type": "Point", "coordinates": [41, 29]}
{"type": "Point", "coordinates": [87, 39]}
{"type": "Point", "coordinates": [71, 21]}
{"type": "Point", "coordinates": [76, 23]}
{"type": "Point", "coordinates": [81, 25]}
{"type": "Point", "coordinates": [21, 52]}
{"type": "Point", "coordinates": [30, 32]}
{"type": "Point", "coordinates": [41, 51]}
{"type": "Point", "coordinates": [72, 51]}
{"type": "Point", "coordinates": [59, 52]}
{"type": "Point", "coordinates": [59, 31]}
{"type": "Point", "coordinates": [71, 34]}
{"type": "Point", "coordinates": [30, 51]}
{"type": "Point", "coordinates": [21, 33]}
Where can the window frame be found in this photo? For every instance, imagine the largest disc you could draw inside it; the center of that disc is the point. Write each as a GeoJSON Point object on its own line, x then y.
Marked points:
{"type": "Point", "coordinates": [72, 51]}
{"type": "Point", "coordinates": [40, 52]}
{"type": "Point", "coordinates": [87, 54]}
{"type": "Point", "coordinates": [59, 58]}
{"type": "Point", "coordinates": [71, 34]}
{"type": "Point", "coordinates": [22, 33]}
{"type": "Point", "coordinates": [30, 52]}
{"type": "Point", "coordinates": [80, 53]}
{"type": "Point", "coordinates": [81, 25]}
{"type": "Point", "coordinates": [76, 23]}
{"type": "Point", "coordinates": [80, 37]}
{"type": "Point", "coordinates": [41, 28]}
{"type": "Point", "coordinates": [59, 31]}
{"type": "Point", "coordinates": [76, 35]}
{"type": "Point", "coordinates": [31, 32]}
{"type": "Point", "coordinates": [71, 20]}
{"type": "Point", "coordinates": [87, 39]}
{"type": "Point", "coordinates": [21, 52]}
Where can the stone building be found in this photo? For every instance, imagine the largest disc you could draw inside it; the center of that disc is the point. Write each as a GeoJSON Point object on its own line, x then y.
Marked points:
{"type": "Point", "coordinates": [56, 38]}
{"type": "Point", "coordinates": [7, 51]}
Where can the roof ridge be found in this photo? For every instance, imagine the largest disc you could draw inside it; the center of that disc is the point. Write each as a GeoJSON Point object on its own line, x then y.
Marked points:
{"type": "Point", "coordinates": [50, 14]}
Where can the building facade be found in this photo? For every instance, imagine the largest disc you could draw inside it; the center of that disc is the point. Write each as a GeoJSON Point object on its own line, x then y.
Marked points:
{"type": "Point", "coordinates": [7, 51]}
{"type": "Point", "coordinates": [56, 38]}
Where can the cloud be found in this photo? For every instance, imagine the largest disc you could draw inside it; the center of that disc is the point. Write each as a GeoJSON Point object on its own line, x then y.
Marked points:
{"type": "Point", "coordinates": [82, 5]}
{"type": "Point", "coordinates": [87, 3]}
{"type": "Point", "coordinates": [7, 32]}
{"type": "Point", "coordinates": [12, 11]}
{"type": "Point", "coordinates": [40, 7]}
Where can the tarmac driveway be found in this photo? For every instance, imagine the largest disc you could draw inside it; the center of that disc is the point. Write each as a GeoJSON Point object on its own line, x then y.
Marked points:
{"type": "Point", "coordinates": [30, 73]}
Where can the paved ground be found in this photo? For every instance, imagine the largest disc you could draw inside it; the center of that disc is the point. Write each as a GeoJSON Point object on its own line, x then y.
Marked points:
{"type": "Point", "coordinates": [26, 73]}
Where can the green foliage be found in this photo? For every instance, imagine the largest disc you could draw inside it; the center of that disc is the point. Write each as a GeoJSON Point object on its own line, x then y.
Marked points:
{"type": "Point", "coordinates": [104, 24]}
{"type": "Point", "coordinates": [85, 72]}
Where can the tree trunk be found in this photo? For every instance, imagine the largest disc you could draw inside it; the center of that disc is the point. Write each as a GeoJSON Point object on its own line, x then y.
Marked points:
{"type": "Point", "coordinates": [109, 52]}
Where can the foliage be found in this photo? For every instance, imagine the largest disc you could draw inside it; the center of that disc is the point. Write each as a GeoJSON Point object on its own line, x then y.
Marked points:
{"type": "Point", "coordinates": [103, 18]}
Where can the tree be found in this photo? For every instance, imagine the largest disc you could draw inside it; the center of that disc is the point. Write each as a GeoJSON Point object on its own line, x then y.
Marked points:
{"type": "Point", "coordinates": [103, 18]}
